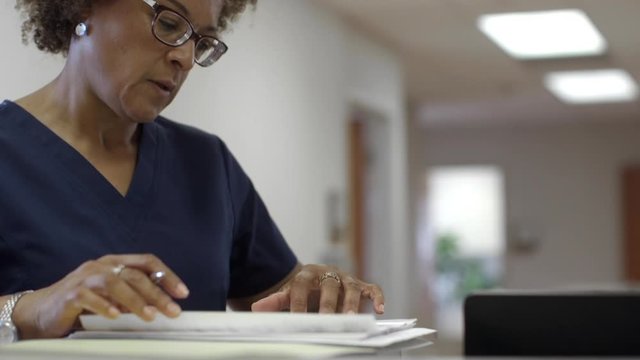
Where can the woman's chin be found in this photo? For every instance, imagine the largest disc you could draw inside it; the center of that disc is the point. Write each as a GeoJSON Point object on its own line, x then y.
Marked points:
{"type": "Point", "coordinates": [143, 119]}
{"type": "Point", "coordinates": [140, 114]}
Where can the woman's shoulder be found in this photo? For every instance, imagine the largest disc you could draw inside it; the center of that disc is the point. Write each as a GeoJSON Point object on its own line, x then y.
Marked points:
{"type": "Point", "coordinates": [8, 108]}
{"type": "Point", "coordinates": [12, 116]}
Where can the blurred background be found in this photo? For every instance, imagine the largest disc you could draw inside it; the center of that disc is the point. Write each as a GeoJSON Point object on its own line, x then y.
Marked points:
{"type": "Point", "coordinates": [405, 140]}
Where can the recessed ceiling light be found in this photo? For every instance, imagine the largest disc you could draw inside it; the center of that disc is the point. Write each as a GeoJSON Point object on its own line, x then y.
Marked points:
{"type": "Point", "coordinates": [544, 34]}
{"type": "Point", "coordinates": [593, 86]}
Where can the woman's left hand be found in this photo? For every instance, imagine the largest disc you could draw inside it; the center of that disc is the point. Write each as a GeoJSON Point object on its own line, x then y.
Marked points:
{"type": "Point", "coordinates": [324, 289]}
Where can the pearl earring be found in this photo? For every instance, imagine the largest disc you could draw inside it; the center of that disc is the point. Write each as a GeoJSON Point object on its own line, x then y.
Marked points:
{"type": "Point", "coordinates": [81, 29]}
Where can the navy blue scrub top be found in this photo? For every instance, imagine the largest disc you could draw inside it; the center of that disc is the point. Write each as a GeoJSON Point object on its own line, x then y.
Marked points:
{"type": "Point", "coordinates": [189, 203]}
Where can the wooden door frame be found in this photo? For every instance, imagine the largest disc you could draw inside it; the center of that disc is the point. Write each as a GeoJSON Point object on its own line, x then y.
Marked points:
{"type": "Point", "coordinates": [631, 222]}
{"type": "Point", "coordinates": [357, 168]}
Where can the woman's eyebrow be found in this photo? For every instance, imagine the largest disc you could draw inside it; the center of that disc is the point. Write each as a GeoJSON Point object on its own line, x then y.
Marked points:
{"type": "Point", "coordinates": [185, 11]}
{"type": "Point", "coordinates": [181, 7]}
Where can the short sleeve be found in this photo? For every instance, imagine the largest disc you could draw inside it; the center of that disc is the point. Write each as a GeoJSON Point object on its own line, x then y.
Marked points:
{"type": "Point", "coordinates": [260, 256]}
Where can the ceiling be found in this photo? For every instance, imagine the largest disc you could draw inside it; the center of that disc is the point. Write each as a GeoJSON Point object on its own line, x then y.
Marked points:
{"type": "Point", "coordinates": [455, 75]}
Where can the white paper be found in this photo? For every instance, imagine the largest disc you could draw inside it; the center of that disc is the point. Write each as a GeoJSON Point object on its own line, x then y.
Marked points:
{"type": "Point", "coordinates": [236, 322]}
{"type": "Point", "coordinates": [341, 339]}
{"type": "Point", "coordinates": [361, 330]}
{"type": "Point", "coordinates": [386, 326]}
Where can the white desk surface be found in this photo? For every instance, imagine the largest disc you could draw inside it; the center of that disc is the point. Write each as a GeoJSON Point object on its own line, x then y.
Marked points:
{"type": "Point", "coordinates": [191, 350]}
{"type": "Point", "coordinates": [165, 349]}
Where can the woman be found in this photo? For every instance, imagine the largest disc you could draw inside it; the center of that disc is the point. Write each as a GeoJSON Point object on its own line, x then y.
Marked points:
{"type": "Point", "coordinates": [106, 207]}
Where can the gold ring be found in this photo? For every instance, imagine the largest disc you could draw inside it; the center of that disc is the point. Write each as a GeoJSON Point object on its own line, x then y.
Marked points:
{"type": "Point", "coordinates": [118, 269]}
{"type": "Point", "coordinates": [330, 275]}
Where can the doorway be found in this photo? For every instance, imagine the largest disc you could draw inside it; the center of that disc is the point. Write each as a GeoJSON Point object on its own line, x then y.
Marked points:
{"type": "Point", "coordinates": [466, 217]}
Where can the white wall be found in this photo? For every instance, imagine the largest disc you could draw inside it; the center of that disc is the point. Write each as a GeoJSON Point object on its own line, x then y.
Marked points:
{"type": "Point", "coordinates": [562, 185]}
{"type": "Point", "coordinates": [376, 83]}
{"type": "Point", "coordinates": [22, 68]}
{"type": "Point", "coordinates": [281, 99]}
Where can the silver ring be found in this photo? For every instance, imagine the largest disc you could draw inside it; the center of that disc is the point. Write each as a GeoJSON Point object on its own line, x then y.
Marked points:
{"type": "Point", "coordinates": [157, 277]}
{"type": "Point", "coordinates": [330, 275]}
{"type": "Point", "coordinates": [118, 269]}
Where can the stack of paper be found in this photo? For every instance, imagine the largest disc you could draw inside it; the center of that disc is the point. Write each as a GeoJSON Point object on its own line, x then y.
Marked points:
{"type": "Point", "coordinates": [331, 329]}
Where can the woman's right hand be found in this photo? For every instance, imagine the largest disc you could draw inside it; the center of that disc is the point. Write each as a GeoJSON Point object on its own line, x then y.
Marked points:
{"type": "Point", "coordinates": [98, 287]}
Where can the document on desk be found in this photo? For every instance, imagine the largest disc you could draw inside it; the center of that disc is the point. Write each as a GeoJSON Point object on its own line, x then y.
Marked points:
{"type": "Point", "coordinates": [331, 329]}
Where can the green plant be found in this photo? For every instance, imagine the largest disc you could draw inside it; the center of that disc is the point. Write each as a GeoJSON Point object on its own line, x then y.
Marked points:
{"type": "Point", "coordinates": [467, 272]}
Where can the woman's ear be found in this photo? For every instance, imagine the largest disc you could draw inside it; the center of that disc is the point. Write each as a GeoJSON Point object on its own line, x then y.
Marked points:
{"type": "Point", "coordinates": [83, 26]}
{"type": "Point", "coordinates": [86, 11]}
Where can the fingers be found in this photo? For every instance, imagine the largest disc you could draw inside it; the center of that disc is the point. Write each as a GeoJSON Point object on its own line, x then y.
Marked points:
{"type": "Point", "coordinates": [148, 264]}
{"type": "Point", "coordinates": [299, 290]}
{"type": "Point", "coordinates": [324, 289]}
{"type": "Point", "coordinates": [124, 281]}
{"type": "Point", "coordinates": [275, 302]}
{"type": "Point", "coordinates": [352, 295]}
{"type": "Point", "coordinates": [85, 299]}
{"type": "Point", "coordinates": [118, 291]}
{"type": "Point", "coordinates": [105, 287]}
{"type": "Point", "coordinates": [329, 293]}
{"type": "Point", "coordinates": [374, 292]}
{"type": "Point", "coordinates": [151, 294]}
{"type": "Point", "coordinates": [354, 291]}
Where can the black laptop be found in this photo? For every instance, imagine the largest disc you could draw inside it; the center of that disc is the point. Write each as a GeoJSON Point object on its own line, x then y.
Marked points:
{"type": "Point", "coordinates": [576, 323]}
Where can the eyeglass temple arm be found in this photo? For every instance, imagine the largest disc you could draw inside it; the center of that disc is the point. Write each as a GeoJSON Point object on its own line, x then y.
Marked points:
{"type": "Point", "coordinates": [151, 3]}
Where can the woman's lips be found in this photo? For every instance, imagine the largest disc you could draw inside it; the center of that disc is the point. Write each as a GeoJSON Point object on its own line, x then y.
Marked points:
{"type": "Point", "coordinates": [165, 86]}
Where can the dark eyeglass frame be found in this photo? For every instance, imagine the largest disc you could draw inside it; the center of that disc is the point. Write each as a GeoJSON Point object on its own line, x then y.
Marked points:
{"type": "Point", "coordinates": [219, 47]}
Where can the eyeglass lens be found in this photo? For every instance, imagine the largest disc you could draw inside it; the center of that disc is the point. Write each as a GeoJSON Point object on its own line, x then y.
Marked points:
{"type": "Point", "coordinates": [173, 30]}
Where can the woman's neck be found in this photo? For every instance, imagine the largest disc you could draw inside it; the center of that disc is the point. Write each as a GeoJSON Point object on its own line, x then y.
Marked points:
{"type": "Point", "coordinates": [71, 109]}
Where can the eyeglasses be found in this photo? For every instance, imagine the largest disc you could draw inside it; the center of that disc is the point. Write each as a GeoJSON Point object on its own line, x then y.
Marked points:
{"type": "Point", "coordinates": [173, 29]}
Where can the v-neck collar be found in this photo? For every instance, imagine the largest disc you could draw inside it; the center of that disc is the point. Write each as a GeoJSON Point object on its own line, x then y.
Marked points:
{"type": "Point", "coordinates": [127, 209]}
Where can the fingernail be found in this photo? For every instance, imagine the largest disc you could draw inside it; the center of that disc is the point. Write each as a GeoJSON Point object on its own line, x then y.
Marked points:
{"type": "Point", "coordinates": [182, 290]}
{"type": "Point", "coordinates": [113, 312]}
{"type": "Point", "coordinates": [381, 308]}
{"type": "Point", "coordinates": [150, 311]}
{"type": "Point", "coordinates": [174, 309]}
